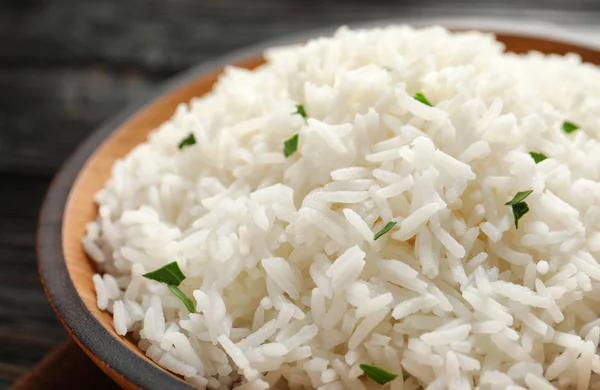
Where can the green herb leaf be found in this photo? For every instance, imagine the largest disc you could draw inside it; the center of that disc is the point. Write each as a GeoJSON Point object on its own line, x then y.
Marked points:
{"type": "Point", "coordinates": [569, 127]}
{"type": "Point", "coordinates": [187, 141]}
{"type": "Point", "coordinates": [420, 97]}
{"type": "Point", "coordinates": [519, 197]}
{"type": "Point", "coordinates": [538, 157]}
{"type": "Point", "coordinates": [301, 111]}
{"type": "Point", "coordinates": [379, 375]}
{"type": "Point", "coordinates": [169, 274]}
{"type": "Point", "coordinates": [388, 68]}
{"type": "Point", "coordinates": [519, 210]}
{"type": "Point", "coordinates": [290, 145]}
{"type": "Point", "coordinates": [186, 301]}
{"type": "Point", "coordinates": [388, 226]}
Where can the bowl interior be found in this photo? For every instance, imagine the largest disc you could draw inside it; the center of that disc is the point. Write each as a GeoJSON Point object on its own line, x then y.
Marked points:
{"type": "Point", "coordinates": [81, 209]}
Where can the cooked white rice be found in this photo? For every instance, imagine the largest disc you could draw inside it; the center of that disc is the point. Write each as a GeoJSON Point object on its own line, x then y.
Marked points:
{"type": "Point", "coordinates": [289, 285]}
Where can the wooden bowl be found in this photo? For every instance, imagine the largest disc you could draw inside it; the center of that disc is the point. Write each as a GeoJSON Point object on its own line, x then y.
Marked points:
{"type": "Point", "coordinates": [65, 270]}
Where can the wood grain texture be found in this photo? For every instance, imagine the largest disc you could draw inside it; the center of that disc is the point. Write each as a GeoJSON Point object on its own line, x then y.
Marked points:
{"type": "Point", "coordinates": [68, 65]}
{"type": "Point", "coordinates": [80, 208]}
{"type": "Point", "coordinates": [50, 112]}
{"type": "Point", "coordinates": [28, 326]}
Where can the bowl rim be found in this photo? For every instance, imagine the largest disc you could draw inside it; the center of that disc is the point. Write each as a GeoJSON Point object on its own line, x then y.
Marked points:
{"type": "Point", "coordinates": [85, 329]}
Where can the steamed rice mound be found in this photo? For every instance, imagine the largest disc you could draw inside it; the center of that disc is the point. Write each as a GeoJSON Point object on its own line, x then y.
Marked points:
{"type": "Point", "coordinates": [289, 285]}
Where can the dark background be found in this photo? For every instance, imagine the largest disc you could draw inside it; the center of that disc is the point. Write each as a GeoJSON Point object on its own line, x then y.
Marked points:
{"type": "Point", "coordinates": [68, 65]}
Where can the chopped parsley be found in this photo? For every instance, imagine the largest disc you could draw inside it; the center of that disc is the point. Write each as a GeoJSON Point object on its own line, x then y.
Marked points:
{"type": "Point", "coordinates": [519, 210]}
{"type": "Point", "coordinates": [519, 197]}
{"type": "Point", "coordinates": [301, 111]}
{"type": "Point", "coordinates": [187, 141]}
{"type": "Point", "coordinates": [290, 145]}
{"type": "Point", "coordinates": [388, 226]}
{"type": "Point", "coordinates": [569, 127]}
{"type": "Point", "coordinates": [171, 275]}
{"type": "Point", "coordinates": [420, 97]}
{"type": "Point", "coordinates": [186, 301]}
{"type": "Point", "coordinates": [379, 375]}
{"type": "Point", "coordinates": [538, 157]}
{"type": "Point", "coordinates": [519, 207]}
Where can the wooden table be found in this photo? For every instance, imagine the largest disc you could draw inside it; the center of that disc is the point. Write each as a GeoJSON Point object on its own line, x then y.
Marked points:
{"type": "Point", "coordinates": [67, 65]}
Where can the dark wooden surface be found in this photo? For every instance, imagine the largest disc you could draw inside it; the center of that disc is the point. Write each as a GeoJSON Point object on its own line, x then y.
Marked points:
{"type": "Point", "coordinates": [67, 65]}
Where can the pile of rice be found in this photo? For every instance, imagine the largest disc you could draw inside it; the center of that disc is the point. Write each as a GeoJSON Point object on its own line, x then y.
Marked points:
{"type": "Point", "coordinates": [291, 289]}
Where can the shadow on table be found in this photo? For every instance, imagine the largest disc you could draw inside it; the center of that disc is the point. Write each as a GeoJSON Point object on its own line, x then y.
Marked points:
{"type": "Point", "coordinates": [66, 367]}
